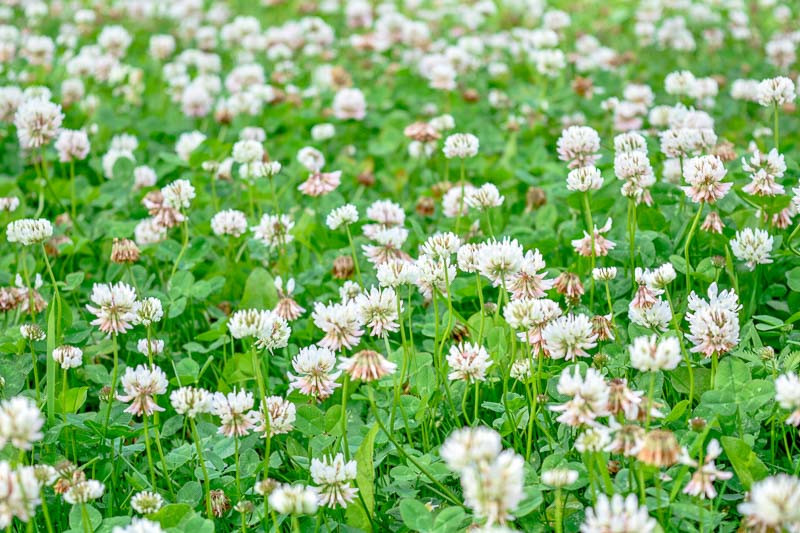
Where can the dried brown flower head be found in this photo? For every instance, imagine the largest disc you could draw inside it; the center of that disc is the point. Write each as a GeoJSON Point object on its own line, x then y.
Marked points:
{"type": "Point", "coordinates": [343, 267]}
{"type": "Point", "coordinates": [124, 251]}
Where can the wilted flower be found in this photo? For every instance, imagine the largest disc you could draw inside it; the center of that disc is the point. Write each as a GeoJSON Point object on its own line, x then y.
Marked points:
{"type": "Point", "coordinates": [367, 365]}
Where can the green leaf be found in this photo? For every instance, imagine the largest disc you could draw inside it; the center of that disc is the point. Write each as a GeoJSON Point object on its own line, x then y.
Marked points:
{"type": "Point", "coordinates": [76, 521]}
{"type": "Point", "coordinates": [72, 281]}
{"type": "Point", "coordinates": [365, 481]}
{"type": "Point", "coordinates": [170, 515]}
{"type": "Point", "coordinates": [450, 519]}
{"type": "Point", "coordinates": [75, 398]}
{"type": "Point", "coordinates": [745, 462]}
{"type": "Point", "coordinates": [259, 291]}
{"type": "Point", "coordinates": [190, 493]}
{"type": "Point", "coordinates": [415, 515]}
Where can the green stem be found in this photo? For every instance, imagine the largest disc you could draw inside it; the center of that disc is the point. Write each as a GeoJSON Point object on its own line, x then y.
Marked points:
{"type": "Point", "coordinates": [184, 245]}
{"type": "Point", "coordinates": [559, 521]}
{"type": "Point", "coordinates": [73, 203]}
{"type": "Point", "coordinates": [446, 493]}
{"type": "Point", "coordinates": [149, 453]}
{"type": "Point", "coordinates": [355, 256]}
{"type": "Point", "coordinates": [686, 357]}
{"type": "Point", "coordinates": [50, 364]}
{"type": "Point", "coordinates": [201, 460]}
{"type": "Point", "coordinates": [87, 524]}
{"type": "Point", "coordinates": [686, 248]}
{"type": "Point", "coordinates": [343, 419]}
{"type": "Point", "coordinates": [776, 128]}
{"type": "Point", "coordinates": [590, 228]}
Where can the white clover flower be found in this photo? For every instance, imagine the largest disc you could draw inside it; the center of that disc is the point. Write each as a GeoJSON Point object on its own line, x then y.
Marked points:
{"type": "Point", "coordinates": [72, 145]}
{"type": "Point", "coordinates": [229, 222]}
{"type": "Point", "coordinates": [190, 401]}
{"type": "Point", "coordinates": [273, 230]}
{"type": "Point", "coordinates": [188, 143]}
{"type": "Point", "coordinates": [141, 385]}
{"type": "Point", "coordinates": [28, 231]}
{"type": "Point", "coordinates": [68, 356]}
{"type": "Point", "coordinates": [315, 376]}
{"type": "Point", "coordinates": [349, 104]}
{"type": "Point", "coordinates": [589, 397]}
{"type": "Point", "coordinates": [150, 347]}
{"type": "Point", "coordinates": [235, 412]}
{"type": "Point", "coordinates": [578, 146]}
{"type": "Point", "coordinates": [342, 216]}
{"type": "Point", "coordinates": [568, 337]}
{"type": "Point", "coordinates": [753, 246]}
{"type": "Point", "coordinates": [648, 354]}
{"type": "Point", "coordinates": [113, 307]}
{"type": "Point", "coordinates": [20, 423]}
{"type": "Point", "coordinates": [485, 197]}
{"type": "Point", "coordinates": [500, 260]}
{"type": "Point", "coordinates": [468, 362]}
{"type": "Point", "coordinates": [277, 418]}
{"type": "Point", "coordinates": [334, 477]}
{"type": "Point", "coordinates": [787, 394]}
{"type": "Point", "coordinates": [248, 151]}
{"type": "Point", "coordinates": [776, 91]}
{"type": "Point", "coordinates": [467, 446]}
{"type": "Point", "coordinates": [147, 311]}
{"type": "Point", "coordinates": [38, 122]}
{"type": "Point", "coordinates": [656, 317]}
{"type": "Point", "coordinates": [21, 493]}
{"type": "Point", "coordinates": [461, 145]}
{"type": "Point", "coordinates": [341, 323]}
{"type": "Point", "coordinates": [84, 492]}
{"type": "Point", "coordinates": [618, 514]}
{"type": "Point", "coordinates": [604, 273]}
{"type": "Point", "coordinates": [32, 332]}
{"type": "Point", "coordinates": [713, 324]}
{"type": "Point", "coordinates": [323, 132]}
{"type": "Point", "coordinates": [294, 499]}
{"type": "Point", "coordinates": [146, 502]}
{"type": "Point", "coordinates": [773, 504]}
{"type": "Point", "coordinates": [559, 477]}
{"type": "Point", "coordinates": [584, 179]}
{"type": "Point", "coordinates": [178, 194]}
{"type": "Point", "coordinates": [378, 310]}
